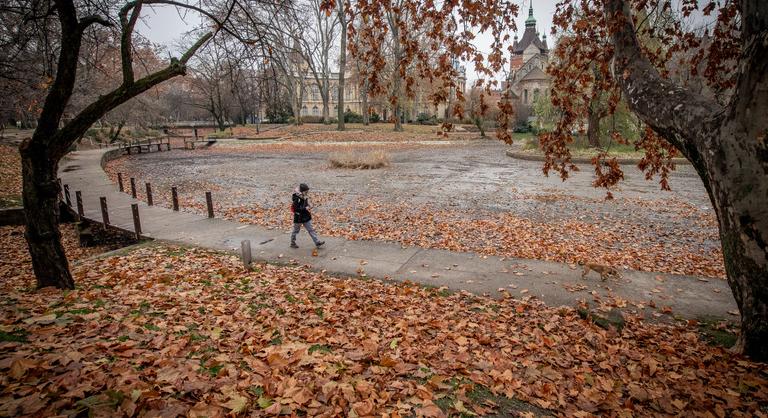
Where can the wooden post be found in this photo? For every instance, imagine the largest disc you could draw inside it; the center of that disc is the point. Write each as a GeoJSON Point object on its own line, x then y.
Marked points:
{"type": "Point", "coordinates": [175, 199]}
{"type": "Point", "coordinates": [149, 194]}
{"type": "Point", "coordinates": [79, 200]}
{"type": "Point", "coordinates": [104, 213]}
{"type": "Point", "coordinates": [133, 187]}
{"type": "Point", "coordinates": [209, 202]}
{"type": "Point", "coordinates": [136, 220]}
{"type": "Point", "coordinates": [120, 180]}
{"type": "Point", "coordinates": [67, 196]}
{"type": "Point", "coordinates": [245, 252]}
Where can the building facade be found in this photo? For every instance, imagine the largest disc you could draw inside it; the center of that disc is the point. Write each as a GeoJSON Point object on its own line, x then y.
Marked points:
{"type": "Point", "coordinates": [312, 103]}
{"type": "Point", "coordinates": [527, 78]}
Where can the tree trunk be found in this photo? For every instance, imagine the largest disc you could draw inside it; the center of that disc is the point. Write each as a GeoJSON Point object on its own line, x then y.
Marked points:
{"type": "Point", "coordinates": [41, 208]}
{"type": "Point", "coordinates": [745, 249]}
{"type": "Point", "coordinates": [364, 98]}
{"type": "Point", "coordinates": [593, 125]}
{"type": "Point", "coordinates": [326, 96]}
{"type": "Point", "coordinates": [342, 64]}
{"type": "Point", "coordinates": [397, 80]}
{"type": "Point", "coordinates": [726, 146]}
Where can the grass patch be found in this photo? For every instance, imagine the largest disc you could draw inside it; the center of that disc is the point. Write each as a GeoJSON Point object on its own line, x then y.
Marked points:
{"type": "Point", "coordinates": [18, 335]}
{"type": "Point", "coordinates": [361, 160]}
{"type": "Point", "coordinates": [10, 201]}
{"type": "Point", "coordinates": [321, 348]}
{"type": "Point", "coordinates": [581, 148]}
{"type": "Point", "coordinates": [717, 333]}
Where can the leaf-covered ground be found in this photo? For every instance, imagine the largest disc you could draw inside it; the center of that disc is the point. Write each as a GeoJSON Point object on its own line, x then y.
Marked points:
{"type": "Point", "coordinates": [657, 233]}
{"type": "Point", "coordinates": [10, 176]}
{"type": "Point", "coordinates": [166, 331]}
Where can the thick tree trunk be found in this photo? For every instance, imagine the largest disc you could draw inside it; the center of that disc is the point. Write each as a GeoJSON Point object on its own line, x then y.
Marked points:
{"type": "Point", "coordinates": [41, 207]}
{"type": "Point", "coordinates": [593, 125]}
{"type": "Point", "coordinates": [342, 64]}
{"type": "Point", "coordinates": [726, 146]}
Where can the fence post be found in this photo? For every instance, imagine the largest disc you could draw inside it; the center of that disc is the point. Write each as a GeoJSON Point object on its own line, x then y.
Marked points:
{"type": "Point", "coordinates": [245, 252]}
{"type": "Point", "coordinates": [79, 200]}
{"type": "Point", "coordinates": [104, 213]}
{"type": "Point", "coordinates": [133, 187]}
{"type": "Point", "coordinates": [120, 181]}
{"type": "Point", "coordinates": [149, 194]}
{"type": "Point", "coordinates": [136, 220]}
{"type": "Point", "coordinates": [175, 199]}
{"type": "Point", "coordinates": [209, 202]}
{"type": "Point", "coordinates": [67, 196]}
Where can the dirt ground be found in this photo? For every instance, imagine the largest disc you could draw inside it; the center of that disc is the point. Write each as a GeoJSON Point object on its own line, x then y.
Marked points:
{"type": "Point", "coordinates": [457, 195]}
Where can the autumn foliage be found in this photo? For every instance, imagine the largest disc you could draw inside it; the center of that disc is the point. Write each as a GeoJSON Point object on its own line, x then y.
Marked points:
{"type": "Point", "coordinates": [173, 330]}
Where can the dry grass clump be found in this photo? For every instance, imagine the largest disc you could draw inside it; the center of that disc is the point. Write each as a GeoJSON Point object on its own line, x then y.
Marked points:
{"type": "Point", "coordinates": [364, 160]}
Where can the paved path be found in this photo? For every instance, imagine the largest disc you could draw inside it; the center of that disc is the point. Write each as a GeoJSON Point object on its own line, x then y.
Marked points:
{"type": "Point", "coordinates": [554, 283]}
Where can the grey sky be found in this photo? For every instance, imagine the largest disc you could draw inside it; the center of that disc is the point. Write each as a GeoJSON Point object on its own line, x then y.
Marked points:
{"type": "Point", "coordinates": [164, 25]}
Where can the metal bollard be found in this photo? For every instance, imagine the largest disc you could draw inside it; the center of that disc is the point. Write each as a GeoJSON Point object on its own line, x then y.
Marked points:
{"type": "Point", "coordinates": [133, 187]}
{"type": "Point", "coordinates": [136, 220]}
{"type": "Point", "coordinates": [67, 197]}
{"type": "Point", "coordinates": [149, 194]}
{"type": "Point", "coordinates": [120, 182]}
{"type": "Point", "coordinates": [79, 200]}
{"type": "Point", "coordinates": [209, 202]}
{"type": "Point", "coordinates": [104, 212]}
{"type": "Point", "coordinates": [245, 253]}
{"type": "Point", "coordinates": [175, 199]}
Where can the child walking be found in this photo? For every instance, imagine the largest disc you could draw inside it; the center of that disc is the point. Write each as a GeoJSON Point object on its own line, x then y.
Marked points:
{"type": "Point", "coordinates": [301, 215]}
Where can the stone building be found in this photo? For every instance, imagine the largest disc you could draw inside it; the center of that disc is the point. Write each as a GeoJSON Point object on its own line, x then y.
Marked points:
{"type": "Point", "coordinates": [312, 104]}
{"type": "Point", "coordinates": [527, 78]}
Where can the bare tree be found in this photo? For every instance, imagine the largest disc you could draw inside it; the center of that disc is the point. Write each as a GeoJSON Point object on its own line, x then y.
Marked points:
{"type": "Point", "coordinates": [54, 136]}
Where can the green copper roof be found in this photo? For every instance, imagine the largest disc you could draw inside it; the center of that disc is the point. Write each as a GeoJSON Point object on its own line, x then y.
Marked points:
{"type": "Point", "coordinates": [531, 21]}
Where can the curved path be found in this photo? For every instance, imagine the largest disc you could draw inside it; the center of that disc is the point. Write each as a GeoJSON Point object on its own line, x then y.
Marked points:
{"type": "Point", "coordinates": [554, 283]}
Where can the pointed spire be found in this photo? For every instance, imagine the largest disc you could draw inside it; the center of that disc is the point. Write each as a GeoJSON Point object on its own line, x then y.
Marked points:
{"type": "Point", "coordinates": [531, 21]}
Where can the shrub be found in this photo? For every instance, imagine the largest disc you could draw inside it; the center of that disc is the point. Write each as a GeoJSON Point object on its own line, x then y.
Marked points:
{"type": "Point", "coordinates": [374, 118]}
{"type": "Point", "coordinates": [522, 128]}
{"type": "Point", "coordinates": [352, 117]}
{"type": "Point", "coordinates": [366, 160]}
{"type": "Point", "coordinates": [427, 119]}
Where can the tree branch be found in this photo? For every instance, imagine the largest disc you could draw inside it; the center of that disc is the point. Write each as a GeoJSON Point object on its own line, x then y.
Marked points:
{"type": "Point", "coordinates": [80, 124]}
{"type": "Point", "coordinates": [90, 20]}
{"type": "Point", "coordinates": [63, 84]}
{"type": "Point", "coordinates": [126, 39]}
{"type": "Point", "coordinates": [679, 115]}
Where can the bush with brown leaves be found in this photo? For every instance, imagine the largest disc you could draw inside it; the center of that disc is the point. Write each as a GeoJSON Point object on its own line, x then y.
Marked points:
{"type": "Point", "coordinates": [366, 160]}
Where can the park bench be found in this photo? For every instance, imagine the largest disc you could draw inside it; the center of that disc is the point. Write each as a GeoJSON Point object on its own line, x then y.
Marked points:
{"type": "Point", "coordinates": [147, 145]}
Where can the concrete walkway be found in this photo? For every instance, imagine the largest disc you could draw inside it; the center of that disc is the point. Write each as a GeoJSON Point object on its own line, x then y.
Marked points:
{"type": "Point", "coordinates": [554, 283]}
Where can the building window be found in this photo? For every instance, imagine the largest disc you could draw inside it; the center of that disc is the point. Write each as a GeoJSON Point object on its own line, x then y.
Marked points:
{"type": "Point", "coordinates": [535, 94]}
{"type": "Point", "coordinates": [315, 93]}
{"type": "Point", "coordinates": [315, 110]}
{"type": "Point", "coordinates": [525, 96]}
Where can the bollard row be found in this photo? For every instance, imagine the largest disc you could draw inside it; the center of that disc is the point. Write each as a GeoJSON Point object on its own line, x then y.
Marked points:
{"type": "Point", "coordinates": [150, 197]}
{"type": "Point", "coordinates": [64, 194]}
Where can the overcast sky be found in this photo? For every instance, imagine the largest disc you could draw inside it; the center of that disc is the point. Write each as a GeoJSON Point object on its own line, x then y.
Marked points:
{"type": "Point", "coordinates": [163, 25]}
